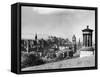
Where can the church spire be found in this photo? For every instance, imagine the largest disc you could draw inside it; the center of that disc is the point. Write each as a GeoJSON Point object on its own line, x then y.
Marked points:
{"type": "Point", "coordinates": [74, 43]}
{"type": "Point", "coordinates": [79, 44]}
{"type": "Point", "coordinates": [36, 36]}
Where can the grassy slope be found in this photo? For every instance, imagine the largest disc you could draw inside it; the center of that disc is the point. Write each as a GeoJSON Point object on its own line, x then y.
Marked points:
{"type": "Point", "coordinates": [70, 63]}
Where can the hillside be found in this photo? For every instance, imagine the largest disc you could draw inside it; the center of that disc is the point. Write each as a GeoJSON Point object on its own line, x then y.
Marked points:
{"type": "Point", "coordinates": [70, 63]}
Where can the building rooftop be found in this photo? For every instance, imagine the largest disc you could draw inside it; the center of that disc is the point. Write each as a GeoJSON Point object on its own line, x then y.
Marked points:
{"type": "Point", "coordinates": [74, 37]}
{"type": "Point", "coordinates": [87, 29]}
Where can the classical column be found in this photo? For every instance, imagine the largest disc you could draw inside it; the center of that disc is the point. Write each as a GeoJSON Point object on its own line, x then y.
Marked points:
{"type": "Point", "coordinates": [89, 40]}
{"type": "Point", "coordinates": [85, 40]}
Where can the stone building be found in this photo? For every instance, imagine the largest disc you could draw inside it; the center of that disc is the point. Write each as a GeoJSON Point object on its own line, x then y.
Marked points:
{"type": "Point", "coordinates": [87, 49]}
{"type": "Point", "coordinates": [74, 44]}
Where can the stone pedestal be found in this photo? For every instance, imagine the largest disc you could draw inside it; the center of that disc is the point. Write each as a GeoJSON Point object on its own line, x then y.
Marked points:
{"type": "Point", "coordinates": [86, 51]}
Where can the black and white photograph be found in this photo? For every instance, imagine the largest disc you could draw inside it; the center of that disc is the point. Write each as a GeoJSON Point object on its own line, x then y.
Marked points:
{"type": "Point", "coordinates": [57, 38]}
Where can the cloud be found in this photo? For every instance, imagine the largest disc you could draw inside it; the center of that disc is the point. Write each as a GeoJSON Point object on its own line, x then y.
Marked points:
{"type": "Point", "coordinates": [46, 10]}
{"type": "Point", "coordinates": [42, 10]}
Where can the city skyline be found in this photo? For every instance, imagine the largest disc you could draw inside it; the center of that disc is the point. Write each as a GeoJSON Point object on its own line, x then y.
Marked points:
{"type": "Point", "coordinates": [56, 22]}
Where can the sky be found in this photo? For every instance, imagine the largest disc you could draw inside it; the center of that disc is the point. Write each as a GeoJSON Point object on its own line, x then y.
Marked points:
{"type": "Point", "coordinates": [58, 22]}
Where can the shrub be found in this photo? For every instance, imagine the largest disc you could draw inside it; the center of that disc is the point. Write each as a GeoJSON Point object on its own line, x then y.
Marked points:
{"type": "Point", "coordinates": [28, 59]}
